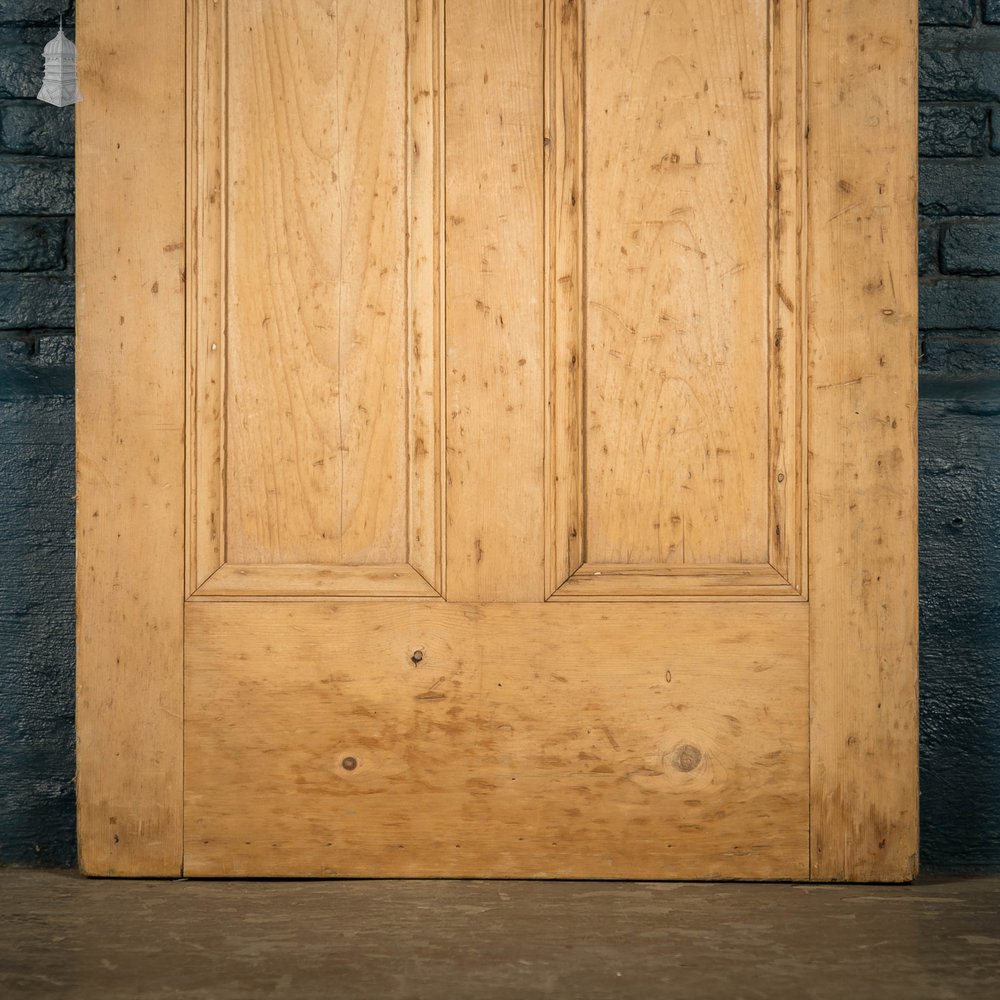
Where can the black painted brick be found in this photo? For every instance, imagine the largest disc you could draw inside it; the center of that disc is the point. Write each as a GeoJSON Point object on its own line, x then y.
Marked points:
{"type": "Point", "coordinates": [961, 354]}
{"type": "Point", "coordinates": [20, 70]}
{"type": "Point", "coordinates": [967, 74]}
{"type": "Point", "coordinates": [32, 244]}
{"type": "Point", "coordinates": [960, 303]}
{"type": "Point", "coordinates": [36, 619]}
{"type": "Point", "coordinates": [34, 349]}
{"type": "Point", "coordinates": [959, 12]}
{"type": "Point", "coordinates": [959, 628]}
{"type": "Point", "coordinates": [30, 389]}
{"type": "Point", "coordinates": [36, 129]}
{"type": "Point", "coordinates": [35, 301]}
{"type": "Point", "coordinates": [953, 130]}
{"type": "Point", "coordinates": [35, 186]}
{"type": "Point", "coordinates": [35, 35]}
{"type": "Point", "coordinates": [960, 187]}
{"type": "Point", "coordinates": [34, 10]}
{"type": "Point", "coordinates": [36, 450]}
{"type": "Point", "coordinates": [971, 248]}
{"type": "Point", "coordinates": [927, 249]}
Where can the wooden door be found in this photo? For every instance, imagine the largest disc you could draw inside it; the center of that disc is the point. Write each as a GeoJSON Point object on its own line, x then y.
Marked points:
{"type": "Point", "coordinates": [496, 438]}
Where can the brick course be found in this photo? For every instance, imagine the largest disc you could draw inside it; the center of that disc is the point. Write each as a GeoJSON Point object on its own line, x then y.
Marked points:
{"type": "Point", "coordinates": [32, 244]}
{"type": "Point", "coordinates": [42, 130]}
{"type": "Point", "coordinates": [971, 248]}
{"type": "Point", "coordinates": [20, 66]}
{"type": "Point", "coordinates": [954, 130]}
{"type": "Point", "coordinates": [35, 185]}
{"type": "Point", "coordinates": [966, 186]}
{"type": "Point", "coordinates": [959, 12]}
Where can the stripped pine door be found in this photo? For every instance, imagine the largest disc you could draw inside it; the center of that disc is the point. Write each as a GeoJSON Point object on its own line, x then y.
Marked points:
{"type": "Point", "coordinates": [496, 438]}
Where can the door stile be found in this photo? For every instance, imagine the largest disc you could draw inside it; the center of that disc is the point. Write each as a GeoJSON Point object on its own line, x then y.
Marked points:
{"type": "Point", "coordinates": [862, 440]}
{"type": "Point", "coordinates": [130, 438]}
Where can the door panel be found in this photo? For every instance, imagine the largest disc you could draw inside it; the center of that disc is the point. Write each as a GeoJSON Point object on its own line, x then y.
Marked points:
{"type": "Point", "coordinates": [316, 277]}
{"type": "Point", "coordinates": [496, 740]}
{"type": "Point", "coordinates": [315, 332]}
{"type": "Point", "coordinates": [676, 254]}
{"type": "Point", "coordinates": [683, 473]}
{"type": "Point", "coordinates": [504, 330]}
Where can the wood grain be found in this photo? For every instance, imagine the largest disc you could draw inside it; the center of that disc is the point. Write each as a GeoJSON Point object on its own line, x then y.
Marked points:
{"type": "Point", "coordinates": [501, 740]}
{"type": "Point", "coordinates": [494, 301]}
{"type": "Point", "coordinates": [316, 291]}
{"type": "Point", "coordinates": [639, 474]}
{"type": "Point", "coordinates": [676, 200]}
{"type": "Point", "coordinates": [862, 440]}
{"type": "Point", "coordinates": [787, 298]}
{"type": "Point", "coordinates": [130, 437]}
{"type": "Point", "coordinates": [671, 582]}
{"type": "Point", "coordinates": [290, 580]}
{"type": "Point", "coordinates": [564, 298]}
{"type": "Point", "coordinates": [206, 301]}
{"type": "Point", "coordinates": [347, 424]}
{"type": "Point", "coordinates": [425, 325]}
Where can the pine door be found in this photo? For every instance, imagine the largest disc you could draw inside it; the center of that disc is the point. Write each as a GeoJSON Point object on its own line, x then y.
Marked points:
{"type": "Point", "coordinates": [496, 438]}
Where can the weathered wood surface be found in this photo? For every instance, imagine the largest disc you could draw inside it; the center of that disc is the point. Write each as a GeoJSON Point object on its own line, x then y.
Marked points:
{"type": "Point", "coordinates": [130, 438]}
{"type": "Point", "coordinates": [505, 303]}
{"type": "Point", "coordinates": [501, 739]}
{"type": "Point", "coordinates": [862, 442]}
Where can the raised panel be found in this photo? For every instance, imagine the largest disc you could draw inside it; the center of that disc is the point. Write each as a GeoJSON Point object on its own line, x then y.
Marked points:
{"type": "Point", "coordinates": [675, 310]}
{"type": "Point", "coordinates": [314, 305]}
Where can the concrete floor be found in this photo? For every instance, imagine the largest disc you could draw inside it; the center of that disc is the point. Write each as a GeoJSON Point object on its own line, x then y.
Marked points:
{"type": "Point", "coordinates": [64, 936]}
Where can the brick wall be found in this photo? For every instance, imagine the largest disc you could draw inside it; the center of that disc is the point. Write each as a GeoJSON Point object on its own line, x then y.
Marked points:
{"type": "Point", "coordinates": [959, 256]}
{"type": "Point", "coordinates": [960, 430]}
{"type": "Point", "coordinates": [36, 447]}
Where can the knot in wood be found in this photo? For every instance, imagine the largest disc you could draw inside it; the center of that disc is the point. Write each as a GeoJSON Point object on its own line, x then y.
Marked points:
{"type": "Point", "coordinates": [686, 757]}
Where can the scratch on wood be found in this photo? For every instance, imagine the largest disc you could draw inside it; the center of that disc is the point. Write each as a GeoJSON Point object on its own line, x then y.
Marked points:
{"type": "Point", "coordinates": [783, 295]}
{"type": "Point", "coordinates": [850, 381]}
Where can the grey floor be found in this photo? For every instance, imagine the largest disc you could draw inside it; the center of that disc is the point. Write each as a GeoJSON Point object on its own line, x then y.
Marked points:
{"type": "Point", "coordinates": [65, 936]}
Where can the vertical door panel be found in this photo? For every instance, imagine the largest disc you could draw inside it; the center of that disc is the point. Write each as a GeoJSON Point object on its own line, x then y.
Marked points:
{"type": "Point", "coordinates": [677, 323]}
{"type": "Point", "coordinates": [314, 308]}
{"type": "Point", "coordinates": [316, 283]}
{"type": "Point", "coordinates": [676, 200]}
